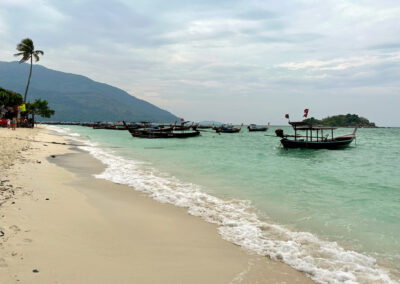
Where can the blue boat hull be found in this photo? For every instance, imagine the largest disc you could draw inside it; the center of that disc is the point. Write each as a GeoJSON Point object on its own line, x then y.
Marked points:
{"type": "Point", "coordinates": [330, 144]}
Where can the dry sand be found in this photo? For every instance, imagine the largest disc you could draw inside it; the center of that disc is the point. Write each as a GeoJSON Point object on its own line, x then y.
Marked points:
{"type": "Point", "coordinates": [58, 224]}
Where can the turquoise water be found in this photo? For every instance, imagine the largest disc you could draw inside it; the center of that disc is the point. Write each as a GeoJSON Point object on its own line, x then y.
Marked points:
{"type": "Point", "coordinates": [350, 196]}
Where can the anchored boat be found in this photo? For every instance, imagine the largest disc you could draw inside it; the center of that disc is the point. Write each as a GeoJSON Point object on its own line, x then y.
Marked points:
{"type": "Point", "coordinates": [161, 132]}
{"type": "Point", "coordinates": [226, 128]}
{"type": "Point", "coordinates": [316, 141]}
{"type": "Point", "coordinates": [184, 125]}
{"type": "Point", "coordinates": [116, 126]}
{"type": "Point", "coordinates": [254, 127]}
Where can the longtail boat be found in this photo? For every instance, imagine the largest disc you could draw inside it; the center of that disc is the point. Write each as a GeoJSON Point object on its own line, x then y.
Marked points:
{"type": "Point", "coordinates": [109, 127]}
{"type": "Point", "coordinates": [225, 128]}
{"type": "Point", "coordinates": [202, 126]}
{"type": "Point", "coordinates": [254, 127]}
{"type": "Point", "coordinates": [164, 132]}
{"type": "Point", "coordinates": [185, 126]}
{"type": "Point", "coordinates": [316, 141]}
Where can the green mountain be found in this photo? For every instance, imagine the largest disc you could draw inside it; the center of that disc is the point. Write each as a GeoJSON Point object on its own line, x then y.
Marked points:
{"type": "Point", "coordinates": [342, 121]}
{"type": "Point", "coordinates": [78, 98]}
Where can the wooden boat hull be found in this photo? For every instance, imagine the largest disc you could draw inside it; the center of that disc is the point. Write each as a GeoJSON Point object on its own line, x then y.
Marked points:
{"type": "Point", "coordinates": [257, 129]}
{"type": "Point", "coordinates": [330, 144]}
{"type": "Point", "coordinates": [171, 134]}
{"type": "Point", "coordinates": [228, 131]}
{"type": "Point", "coordinates": [110, 128]}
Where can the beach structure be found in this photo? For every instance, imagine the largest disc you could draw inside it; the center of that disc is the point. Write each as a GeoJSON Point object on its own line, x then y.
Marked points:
{"type": "Point", "coordinates": [317, 141]}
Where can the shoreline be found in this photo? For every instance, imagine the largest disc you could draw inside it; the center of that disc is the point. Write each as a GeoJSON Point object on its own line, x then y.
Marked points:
{"type": "Point", "coordinates": [96, 231]}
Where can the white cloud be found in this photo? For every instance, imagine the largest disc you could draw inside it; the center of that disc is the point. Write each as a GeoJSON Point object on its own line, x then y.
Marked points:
{"type": "Point", "coordinates": [179, 58]}
{"type": "Point", "coordinates": [342, 63]}
{"type": "Point", "coordinates": [368, 13]}
{"type": "Point", "coordinates": [16, 2]}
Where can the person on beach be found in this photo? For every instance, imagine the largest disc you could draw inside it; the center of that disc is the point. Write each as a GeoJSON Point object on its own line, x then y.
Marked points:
{"type": "Point", "coordinates": [8, 123]}
{"type": "Point", "coordinates": [14, 123]}
{"type": "Point", "coordinates": [31, 122]}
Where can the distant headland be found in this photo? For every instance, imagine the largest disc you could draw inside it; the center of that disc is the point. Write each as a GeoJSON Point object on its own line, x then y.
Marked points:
{"type": "Point", "coordinates": [78, 98]}
{"type": "Point", "coordinates": [342, 120]}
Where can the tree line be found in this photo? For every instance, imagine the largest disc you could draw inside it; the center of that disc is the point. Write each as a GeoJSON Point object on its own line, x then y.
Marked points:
{"type": "Point", "coordinates": [9, 99]}
{"type": "Point", "coordinates": [342, 120]}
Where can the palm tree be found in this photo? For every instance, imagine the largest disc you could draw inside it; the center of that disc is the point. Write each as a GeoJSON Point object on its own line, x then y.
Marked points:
{"type": "Point", "coordinates": [27, 50]}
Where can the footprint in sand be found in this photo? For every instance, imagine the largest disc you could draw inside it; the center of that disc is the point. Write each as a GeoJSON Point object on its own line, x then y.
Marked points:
{"type": "Point", "coordinates": [28, 240]}
{"type": "Point", "coordinates": [3, 262]}
{"type": "Point", "coordinates": [15, 228]}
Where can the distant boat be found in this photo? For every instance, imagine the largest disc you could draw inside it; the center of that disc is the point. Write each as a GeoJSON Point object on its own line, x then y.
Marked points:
{"type": "Point", "coordinates": [225, 128]}
{"type": "Point", "coordinates": [318, 141]}
{"type": "Point", "coordinates": [184, 125]}
{"type": "Point", "coordinates": [109, 127]}
{"type": "Point", "coordinates": [254, 127]}
{"type": "Point", "coordinates": [161, 132]}
{"type": "Point", "coordinates": [200, 126]}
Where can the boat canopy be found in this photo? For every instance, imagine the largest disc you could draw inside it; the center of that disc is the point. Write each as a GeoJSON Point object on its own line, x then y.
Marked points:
{"type": "Point", "coordinates": [301, 125]}
{"type": "Point", "coordinates": [316, 128]}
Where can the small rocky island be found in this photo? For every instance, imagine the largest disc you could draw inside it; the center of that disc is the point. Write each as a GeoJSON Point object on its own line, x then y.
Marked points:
{"type": "Point", "coordinates": [342, 120]}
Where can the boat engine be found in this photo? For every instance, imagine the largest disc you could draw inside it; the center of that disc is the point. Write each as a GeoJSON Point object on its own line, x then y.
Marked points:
{"type": "Point", "coordinates": [279, 133]}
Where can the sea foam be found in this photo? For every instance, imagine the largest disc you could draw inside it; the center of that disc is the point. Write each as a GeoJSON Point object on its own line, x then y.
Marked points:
{"type": "Point", "coordinates": [238, 222]}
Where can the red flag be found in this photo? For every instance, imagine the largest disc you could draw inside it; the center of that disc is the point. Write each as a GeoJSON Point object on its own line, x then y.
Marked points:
{"type": "Point", "coordinates": [306, 112]}
{"type": "Point", "coordinates": [287, 116]}
{"type": "Point", "coordinates": [182, 119]}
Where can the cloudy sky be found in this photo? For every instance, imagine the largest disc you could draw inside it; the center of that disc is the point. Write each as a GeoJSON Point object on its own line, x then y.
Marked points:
{"type": "Point", "coordinates": [231, 61]}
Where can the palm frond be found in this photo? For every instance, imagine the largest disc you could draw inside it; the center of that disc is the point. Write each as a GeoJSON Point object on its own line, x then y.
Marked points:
{"type": "Point", "coordinates": [24, 58]}
{"type": "Point", "coordinates": [28, 42]}
{"type": "Point", "coordinates": [36, 57]}
{"type": "Point", "coordinates": [26, 45]}
{"type": "Point", "coordinates": [23, 48]}
{"type": "Point", "coordinates": [19, 54]}
{"type": "Point", "coordinates": [39, 52]}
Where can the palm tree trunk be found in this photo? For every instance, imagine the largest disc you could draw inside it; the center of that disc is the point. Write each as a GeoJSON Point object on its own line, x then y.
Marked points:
{"type": "Point", "coordinates": [29, 80]}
